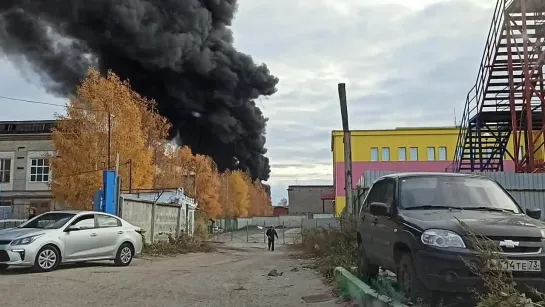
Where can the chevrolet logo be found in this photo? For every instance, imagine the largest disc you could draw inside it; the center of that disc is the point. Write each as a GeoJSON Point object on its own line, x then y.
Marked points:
{"type": "Point", "coordinates": [509, 243]}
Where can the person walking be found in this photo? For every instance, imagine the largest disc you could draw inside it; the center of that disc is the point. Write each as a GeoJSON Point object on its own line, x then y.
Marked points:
{"type": "Point", "coordinates": [271, 233]}
{"type": "Point", "coordinates": [31, 213]}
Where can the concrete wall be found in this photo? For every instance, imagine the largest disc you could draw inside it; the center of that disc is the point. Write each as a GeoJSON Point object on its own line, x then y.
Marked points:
{"type": "Point", "coordinates": [287, 221]}
{"type": "Point", "coordinates": [167, 219]}
{"type": "Point", "coordinates": [320, 223]}
{"type": "Point", "coordinates": [307, 199]}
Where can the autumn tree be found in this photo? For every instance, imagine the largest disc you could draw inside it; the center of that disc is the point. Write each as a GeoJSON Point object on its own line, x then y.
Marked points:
{"type": "Point", "coordinates": [104, 118]}
{"type": "Point", "coordinates": [260, 204]}
{"type": "Point", "coordinates": [177, 167]}
{"type": "Point", "coordinates": [239, 193]}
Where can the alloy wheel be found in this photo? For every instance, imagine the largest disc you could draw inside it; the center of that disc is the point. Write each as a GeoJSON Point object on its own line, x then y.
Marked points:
{"type": "Point", "coordinates": [47, 259]}
{"type": "Point", "coordinates": [126, 254]}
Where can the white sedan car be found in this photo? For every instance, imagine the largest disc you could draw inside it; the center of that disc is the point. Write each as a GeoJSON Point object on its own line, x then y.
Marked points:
{"type": "Point", "coordinates": [58, 237]}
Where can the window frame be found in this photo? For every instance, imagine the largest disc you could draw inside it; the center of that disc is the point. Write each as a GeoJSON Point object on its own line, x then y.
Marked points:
{"type": "Point", "coordinates": [383, 151]}
{"type": "Point", "coordinates": [372, 150]}
{"type": "Point", "coordinates": [411, 153]}
{"type": "Point", "coordinates": [45, 165]}
{"type": "Point", "coordinates": [97, 216]}
{"type": "Point", "coordinates": [399, 150]}
{"type": "Point", "coordinates": [428, 153]}
{"type": "Point", "coordinates": [79, 218]}
{"type": "Point", "coordinates": [5, 170]}
{"type": "Point", "coordinates": [446, 153]}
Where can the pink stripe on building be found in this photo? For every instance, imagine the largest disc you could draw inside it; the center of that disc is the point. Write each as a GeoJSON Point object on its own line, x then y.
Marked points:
{"type": "Point", "coordinates": [400, 166]}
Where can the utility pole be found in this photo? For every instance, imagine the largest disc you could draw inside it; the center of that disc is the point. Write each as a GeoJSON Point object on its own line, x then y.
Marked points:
{"type": "Point", "coordinates": [109, 137]}
{"type": "Point", "coordinates": [130, 176]}
{"type": "Point", "coordinates": [347, 150]}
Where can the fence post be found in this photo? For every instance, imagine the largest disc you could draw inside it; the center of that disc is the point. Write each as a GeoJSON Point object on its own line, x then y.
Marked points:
{"type": "Point", "coordinates": [283, 233]}
{"type": "Point", "coordinates": [247, 235]}
{"type": "Point", "coordinates": [179, 221]}
{"type": "Point", "coordinates": [152, 227]}
{"type": "Point", "coordinates": [301, 231]}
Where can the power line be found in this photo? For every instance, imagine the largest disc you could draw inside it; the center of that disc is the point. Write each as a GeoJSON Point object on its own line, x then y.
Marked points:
{"type": "Point", "coordinates": [49, 103]}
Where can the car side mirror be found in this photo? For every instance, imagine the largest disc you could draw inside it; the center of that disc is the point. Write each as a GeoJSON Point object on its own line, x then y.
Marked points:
{"type": "Point", "coordinates": [534, 213]}
{"type": "Point", "coordinates": [72, 228]}
{"type": "Point", "coordinates": [378, 208]}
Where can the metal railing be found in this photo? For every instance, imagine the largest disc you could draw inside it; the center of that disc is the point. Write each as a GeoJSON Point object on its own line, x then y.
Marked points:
{"type": "Point", "coordinates": [477, 93]}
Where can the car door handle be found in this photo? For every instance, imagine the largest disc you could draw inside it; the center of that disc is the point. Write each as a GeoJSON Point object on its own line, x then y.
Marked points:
{"type": "Point", "coordinates": [120, 232]}
{"type": "Point", "coordinates": [94, 234]}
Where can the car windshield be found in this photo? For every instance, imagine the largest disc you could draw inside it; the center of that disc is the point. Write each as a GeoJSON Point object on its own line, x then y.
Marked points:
{"type": "Point", "coordinates": [52, 220]}
{"type": "Point", "coordinates": [471, 193]}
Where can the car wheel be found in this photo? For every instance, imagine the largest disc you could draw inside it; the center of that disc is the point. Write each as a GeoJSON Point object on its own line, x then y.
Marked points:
{"type": "Point", "coordinates": [47, 259]}
{"type": "Point", "coordinates": [366, 270]}
{"type": "Point", "coordinates": [408, 281]}
{"type": "Point", "coordinates": [124, 255]}
{"type": "Point", "coordinates": [3, 267]}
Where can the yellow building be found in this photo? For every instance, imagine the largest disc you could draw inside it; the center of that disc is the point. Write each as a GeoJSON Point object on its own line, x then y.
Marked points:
{"type": "Point", "coordinates": [402, 149]}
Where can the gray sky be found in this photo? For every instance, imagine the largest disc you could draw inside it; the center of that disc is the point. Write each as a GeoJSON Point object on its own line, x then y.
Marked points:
{"type": "Point", "coordinates": [405, 62]}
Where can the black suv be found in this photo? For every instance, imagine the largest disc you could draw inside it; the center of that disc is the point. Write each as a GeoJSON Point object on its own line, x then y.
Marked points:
{"type": "Point", "coordinates": [409, 224]}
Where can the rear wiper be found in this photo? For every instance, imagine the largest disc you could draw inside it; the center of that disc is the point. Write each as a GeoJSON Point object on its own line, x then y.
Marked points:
{"type": "Point", "coordinates": [489, 209]}
{"type": "Point", "coordinates": [434, 207]}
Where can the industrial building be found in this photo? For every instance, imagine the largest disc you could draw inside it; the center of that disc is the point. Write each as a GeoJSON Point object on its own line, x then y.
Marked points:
{"type": "Point", "coordinates": [415, 149]}
{"type": "Point", "coordinates": [310, 199]}
{"type": "Point", "coordinates": [24, 167]}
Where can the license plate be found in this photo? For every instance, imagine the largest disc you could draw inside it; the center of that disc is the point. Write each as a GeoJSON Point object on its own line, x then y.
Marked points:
{"type": "Point", "coordinates": [518, 265]}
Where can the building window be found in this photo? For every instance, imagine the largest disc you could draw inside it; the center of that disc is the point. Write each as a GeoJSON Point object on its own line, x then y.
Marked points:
{"type": "Point", "coordinates": [39, 170]}
{"type": "Point", "coordinates": [442, 153]}
{"type": "Point", "coordinates": [5, 170]}
{"type": "Point", "coordinates": [431, 153]}
{"type": "Point", "coordinates": [374, 154]}
{"type": "Point", "coordinates": [414, 154]}
{"type": "Point", "coordinates": [402, 154]}
{"type": "Point", "coordinates": [385, 154]}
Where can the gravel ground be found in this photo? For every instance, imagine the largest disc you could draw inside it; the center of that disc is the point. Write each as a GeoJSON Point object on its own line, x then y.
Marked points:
{"type": "Point", "coordinates": [234, 276]}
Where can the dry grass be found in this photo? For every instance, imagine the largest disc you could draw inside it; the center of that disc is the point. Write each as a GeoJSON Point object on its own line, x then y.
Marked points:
{"type": "Point", "coordinates": [183, 244]}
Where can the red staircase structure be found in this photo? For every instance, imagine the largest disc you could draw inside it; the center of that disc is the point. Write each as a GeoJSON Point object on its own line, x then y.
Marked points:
{"type": "Point", "coordinates": [507, 101]}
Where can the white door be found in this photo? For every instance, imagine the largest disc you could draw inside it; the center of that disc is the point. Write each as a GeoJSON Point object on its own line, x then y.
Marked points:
{"type": "Point", "coordinates": [82, 243]}
{"type": "Point", "coordinates": [110, 234]}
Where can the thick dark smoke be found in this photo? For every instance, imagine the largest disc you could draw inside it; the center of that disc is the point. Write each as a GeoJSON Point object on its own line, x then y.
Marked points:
{"type": "Point", "coordinates": [179, 52]}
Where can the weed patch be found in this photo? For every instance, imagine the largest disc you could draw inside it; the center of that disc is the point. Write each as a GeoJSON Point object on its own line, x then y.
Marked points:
{"type": "Point", "coordinates": [183, 244]}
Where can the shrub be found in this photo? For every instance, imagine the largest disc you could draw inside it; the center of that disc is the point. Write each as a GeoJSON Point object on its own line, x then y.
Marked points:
{"type": "Point", "coordinates": [174, 246]}
{"type": "Point", "coordinates": [332, 247]}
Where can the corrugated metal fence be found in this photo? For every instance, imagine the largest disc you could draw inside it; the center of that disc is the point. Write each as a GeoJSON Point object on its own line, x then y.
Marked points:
{"type": "Point", "coordinates": [527, 189]}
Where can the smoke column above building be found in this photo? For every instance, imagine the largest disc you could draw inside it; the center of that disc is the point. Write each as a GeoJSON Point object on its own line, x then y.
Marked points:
{"type": "Point", "coordinates": [178, 52]}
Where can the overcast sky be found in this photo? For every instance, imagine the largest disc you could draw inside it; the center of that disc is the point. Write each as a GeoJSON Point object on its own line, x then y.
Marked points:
{"type": "Point", "coordinates": [405, 63]}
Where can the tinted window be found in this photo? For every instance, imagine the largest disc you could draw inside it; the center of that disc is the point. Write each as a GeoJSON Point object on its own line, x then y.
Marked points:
{"type": "Point", "coordinates": [85, 222]}
{"type": "Point", "coordinates": [107, 221]}
{"type": "Point", "coordinates": [454, 191]}
{"type": "Point", "coordinates": [52, 220]}
{"type": "Point", "coordinates": [382, 191]}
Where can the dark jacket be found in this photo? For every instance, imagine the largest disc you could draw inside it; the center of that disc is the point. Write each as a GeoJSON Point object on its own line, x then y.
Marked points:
{"type": "Point", "coordinates": [271, 233]}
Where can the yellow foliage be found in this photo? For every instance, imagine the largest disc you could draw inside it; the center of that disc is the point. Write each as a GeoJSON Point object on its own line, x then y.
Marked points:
{"type": "Point", "coordinates": [239, 198]}
{"type": "Point", "coordinates": [102, 107]}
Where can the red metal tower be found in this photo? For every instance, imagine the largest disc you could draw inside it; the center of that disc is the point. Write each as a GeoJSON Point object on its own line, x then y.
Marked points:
{"type": "Point", "coordinates": [507, 101]}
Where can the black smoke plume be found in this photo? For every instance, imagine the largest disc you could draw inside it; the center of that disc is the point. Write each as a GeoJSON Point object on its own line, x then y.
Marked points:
{"type": "Point", "coordinates": [179, 52]}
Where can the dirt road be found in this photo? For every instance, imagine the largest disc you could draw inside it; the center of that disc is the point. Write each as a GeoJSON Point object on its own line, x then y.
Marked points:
{"type": "Point", "coordinates": [235, 276]}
